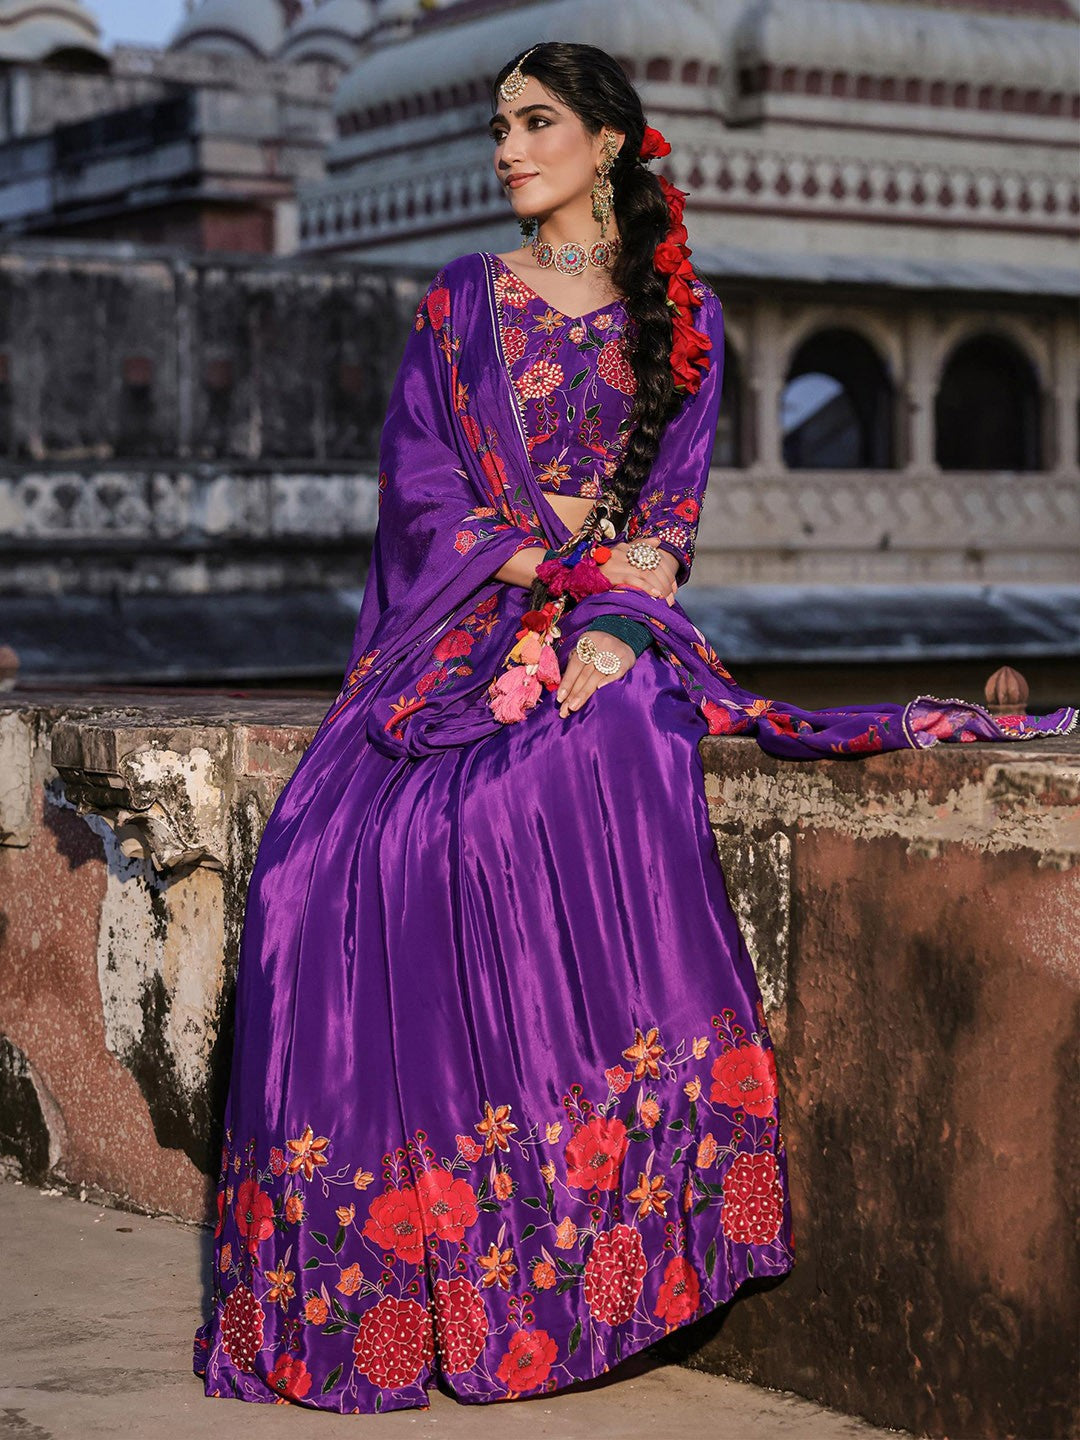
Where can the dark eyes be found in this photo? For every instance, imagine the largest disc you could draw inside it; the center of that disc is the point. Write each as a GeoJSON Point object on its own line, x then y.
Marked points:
{"type": "Point", "coordinates": [498, 135]}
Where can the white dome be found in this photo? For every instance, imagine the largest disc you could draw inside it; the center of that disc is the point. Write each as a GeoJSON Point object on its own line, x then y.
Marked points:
{"type": "Point", "coordinates": [463, 52]}
{"type": "Point", "coordinates": [35, 30]}
{"type": "Point", "coordinates": [233, 27]}
{"type": "Point", "coordinates": [333, 31]}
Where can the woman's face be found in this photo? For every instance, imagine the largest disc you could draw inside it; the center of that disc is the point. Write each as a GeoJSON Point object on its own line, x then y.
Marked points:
{"type": "Point", "coordinates": [538, 136]}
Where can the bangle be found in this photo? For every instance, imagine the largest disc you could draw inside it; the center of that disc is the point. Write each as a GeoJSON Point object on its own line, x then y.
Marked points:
{"type": "Point", "coordinates": [636, 635]}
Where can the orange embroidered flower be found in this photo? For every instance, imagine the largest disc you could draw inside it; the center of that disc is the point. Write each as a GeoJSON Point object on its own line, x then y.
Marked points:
{"type": "Point", "coordinates": [645, 1052]}
{"type": "Point", "coordinates": [346, 1214]}
{"type": "Point", "coordinates": [350, 1281]}
{"type": "Point", "coordinates": [362, 1179]}
{"type": "Point", "coordinates": [225, 1258]}
{"type": "Point", "coordinates": [281, 1286]}
{"type": "Point", "coordinates": [316, 1311]}
{"type": "Point", "coordinates": [566, 1234]}
{"type": "Point", "coordinates": [543, 1275]}
{"type": "Point", "coordinates": [707, 1151]}
{"type": "Point", "coordinates": [649, 1113]}
{"type": "Point", "coordinates": [692, 1089]}
{"type": "Point", "coordinates": [496, 1127]}
{"type": "Point", "coordinates": [307, 1152]}
{"type": "Point", "coordinates": [294, 1208]}
{"type": "Point", "coordinates": [497, 1267]}
{"type": "Point", "coordinates": [503, 1187]}
{"type": "Point", "coordinates": [649, 1195]}
{"type": "Point", "coordinates": [552, 1132]}
{"type": "Point", "coordinates": [547, 1170]}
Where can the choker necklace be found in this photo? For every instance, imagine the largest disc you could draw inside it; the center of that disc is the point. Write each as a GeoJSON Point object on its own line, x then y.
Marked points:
{"type": "Point", "coordinates": [572, 259]}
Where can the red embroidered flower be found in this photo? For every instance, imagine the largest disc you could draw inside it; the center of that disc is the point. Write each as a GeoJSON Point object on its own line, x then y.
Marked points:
{"type": "Point", "coordinates": [472, 431]}
{"type": "Point", "coordinates": [595, 1152]}
{"type": "Point", "coordinates": [467, 1147]}
{"type": "Point", "coordinates": [432, 678]}
{"type": "Point", "coordinates": [277, 1158]}
{"type": "Point", "coordinates": [394, 1342]}
{"type": "Point", "coordinates": [680, 1293]}
{"type": "Point", "coordinates": [438, 306]}
{"type": "Point", "coordinates": [688, 509]}
{"type": "Point", "coordinates": [254, 1214]}
{"type": "Point", "coordinates": [871, 740]}
{"type": "Point", "coordinates": [614, 1274]}
{"type": "Point", "coordinates": [447, 1202]}
{"type": "Point", "coordinates": [720, 718]}
{"type": "Point", "coordinates": [745, 1079]}
{"type": "Point", "coordinates": [540, 379]}
{"type": "Point", "coordinates": [453, 644]}
{"type": "Point", "coordinates": [614, 368]}
{"type": "Point", "coordinates": [935, 722]}
{"type": "Point", "coordinates": [513, 339]}
{"type": "Point", "coordinates": [220, 1213]}
{"type": "Point", "coordinates": [753, 1208]}
{"type": "Point", "coordinates": [528, 1361]}
{"type": "Point", "coordinates": [464, 541]}
{"type": "Point", "coordinates": [494, 470]}
{"type": "Point", "coordinates": [289, 1378]}
{"type": "Point", "coordinates": [618, 1078]}
{"type": "Point", "coordinates": [242, 1328]}
{"type": "Point", "coordinates": [394, 1222]}
{"type": "Point", "coordinates": [653, 145]}
{"type": "Point", "coordinates": [463, 1323]}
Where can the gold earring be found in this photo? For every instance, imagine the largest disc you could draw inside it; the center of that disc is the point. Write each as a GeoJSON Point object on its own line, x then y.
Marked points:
{"type": "Point", "coordinates": [603, 196]}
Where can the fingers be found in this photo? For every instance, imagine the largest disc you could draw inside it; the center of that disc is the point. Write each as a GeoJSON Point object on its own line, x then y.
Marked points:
{"type": "Point", "coordinates": [574, 695]}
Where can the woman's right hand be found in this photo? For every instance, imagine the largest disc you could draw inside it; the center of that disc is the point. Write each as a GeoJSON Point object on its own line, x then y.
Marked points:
{"type": "Point", "coordinates": [659, 581]}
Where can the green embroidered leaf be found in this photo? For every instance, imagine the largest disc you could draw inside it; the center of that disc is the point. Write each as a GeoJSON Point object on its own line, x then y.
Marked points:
{"type": "Point", "coordinates": [334, 1328]}
{"type": "Point", "coordinates": [679, 1124]}
{"type": "Point", "coordinates": [568, 1266]}
{"type": "Point", "coordinates": [481, 1194]}
{"type": "Point", "coordinates": [570, 413]}
{"type": "Point", "coordinates": [488, 1204]}
{"type": "Point", "coordinates": [313, 1263]}
{"type": "Point", "coordinates": [339, 1241]}
{"type": "Point", "coordinates": [592, 412]}
{"type": "Point", "coordinates": [378, 1401]}
{"type": "Point", "coordinates": [578, 378]}
{"type": "Point", "coordinates": [749, 1263]}
{"type": "Point", "coordinates": [575, 1339]}
{"type": "Point", "coordinates": [702, 1204]}
{"type": "Point", "coordinates": [532, 1201]}
{"type": "Point", "coordinates": [677, 1153]}
{"type": "Point", "coordinates": [529, 1230]}
{"type": "Point", "coordinates": [320, 1237]}
{"type": "Point", "coordinates": [637, 1135]}
{"type": "Point", "coordinates": [710, 1258]}
{"type": "Point", "coordinates": [331, 1380]}
{"type": "Point", "coordinates": [693, 1114]}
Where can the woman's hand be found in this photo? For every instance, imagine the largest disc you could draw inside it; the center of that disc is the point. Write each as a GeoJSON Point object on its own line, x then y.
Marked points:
{"type": "Point", "coordinates": [581, 678]}
{"type": "Point", "coordinates": [659, 581]}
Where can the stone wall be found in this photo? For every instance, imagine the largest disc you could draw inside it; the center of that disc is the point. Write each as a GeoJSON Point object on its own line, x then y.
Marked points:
{"type": "Point", "coordinates": [912, 917]}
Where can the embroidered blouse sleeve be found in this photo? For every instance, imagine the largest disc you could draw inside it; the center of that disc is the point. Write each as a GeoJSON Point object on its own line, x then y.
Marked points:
{"type": "Point", "coordinates": [669, 505]}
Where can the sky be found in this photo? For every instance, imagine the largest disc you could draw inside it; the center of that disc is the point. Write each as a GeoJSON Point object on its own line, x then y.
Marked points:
{"type": "Point", "coordinates": [147, 22]}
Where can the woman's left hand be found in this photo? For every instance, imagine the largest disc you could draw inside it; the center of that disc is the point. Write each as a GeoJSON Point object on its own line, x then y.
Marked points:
{"type": "Point", "coordinates": [581, 678]}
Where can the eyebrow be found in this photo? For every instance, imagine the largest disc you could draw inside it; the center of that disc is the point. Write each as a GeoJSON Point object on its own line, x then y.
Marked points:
{"type": "Point", "coordinates": [525, 109]}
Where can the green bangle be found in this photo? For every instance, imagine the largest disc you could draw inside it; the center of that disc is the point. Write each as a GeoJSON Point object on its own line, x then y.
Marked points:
{"type": "Point", "coordinates": [636, 635]}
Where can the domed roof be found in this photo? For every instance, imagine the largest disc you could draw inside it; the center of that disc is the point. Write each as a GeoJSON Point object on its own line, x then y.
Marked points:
{"type": "Point", "coordinates": [950, 41]}
{"type": "Point", "coordinates": [35, 30]}
{"type": "Point", "coordinates": [233, 27]}
{"type": "Point", "coordinates": [459, 52]}
{"type": "Point", "coordinates": [331, 31]}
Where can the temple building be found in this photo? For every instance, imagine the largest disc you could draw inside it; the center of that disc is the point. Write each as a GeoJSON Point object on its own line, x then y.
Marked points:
{"type": "Point", "coordinates": [883, 193]}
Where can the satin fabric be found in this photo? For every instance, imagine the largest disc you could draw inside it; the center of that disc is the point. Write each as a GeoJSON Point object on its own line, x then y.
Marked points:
{"type": "Point", "coordinates": [503, 1104]}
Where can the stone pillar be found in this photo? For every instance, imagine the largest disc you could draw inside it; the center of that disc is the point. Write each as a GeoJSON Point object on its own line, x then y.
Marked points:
{"type": "Point", "coordinates": [1065, 395]}
{"type": "Point", "coordinates": [764, 387]}
{"type": "Point", "coordinates": [918, 390]}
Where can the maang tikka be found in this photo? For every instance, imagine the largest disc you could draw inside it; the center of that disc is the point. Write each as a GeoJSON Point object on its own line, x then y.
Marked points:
{"type": "Point", "coordinates": [515, 82]}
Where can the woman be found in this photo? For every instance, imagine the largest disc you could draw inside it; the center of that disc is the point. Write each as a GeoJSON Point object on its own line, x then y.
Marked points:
{"type": "Point", "coordinates": [503, 1101]}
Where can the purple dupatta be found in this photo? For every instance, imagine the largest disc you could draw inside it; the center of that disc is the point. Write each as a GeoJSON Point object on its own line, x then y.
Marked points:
{"type": "Point", "coordinates": [458, 497]}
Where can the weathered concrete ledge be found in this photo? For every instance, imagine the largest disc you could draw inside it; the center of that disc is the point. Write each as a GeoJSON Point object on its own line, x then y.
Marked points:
{"type": "Point", "coordinates": [913, 920]}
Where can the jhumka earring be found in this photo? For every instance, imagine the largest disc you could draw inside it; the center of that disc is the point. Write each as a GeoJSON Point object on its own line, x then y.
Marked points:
{"type": "Point", "coordinates": [603, 196]}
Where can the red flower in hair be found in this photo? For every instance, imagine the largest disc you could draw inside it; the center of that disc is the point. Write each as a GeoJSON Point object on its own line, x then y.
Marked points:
{"type": "Point", "coordinates": [653, 145]}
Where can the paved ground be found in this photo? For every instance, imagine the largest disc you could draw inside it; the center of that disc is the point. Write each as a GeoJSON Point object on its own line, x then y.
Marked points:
{"type": "Point", "coordinates": [98, 1312]}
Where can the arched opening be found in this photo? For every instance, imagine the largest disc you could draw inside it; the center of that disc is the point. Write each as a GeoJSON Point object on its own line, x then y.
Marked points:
{"type": "Point", "coordinates": [729, 426]}
{"type": "Point", "coordinates": [837, 405]}
{"type": "Point", "coordinates": [987, 408]}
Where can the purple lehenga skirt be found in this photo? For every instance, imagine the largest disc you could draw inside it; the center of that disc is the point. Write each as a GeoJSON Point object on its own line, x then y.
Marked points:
{"type": "Point", "coordinates": [503, 1108]}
